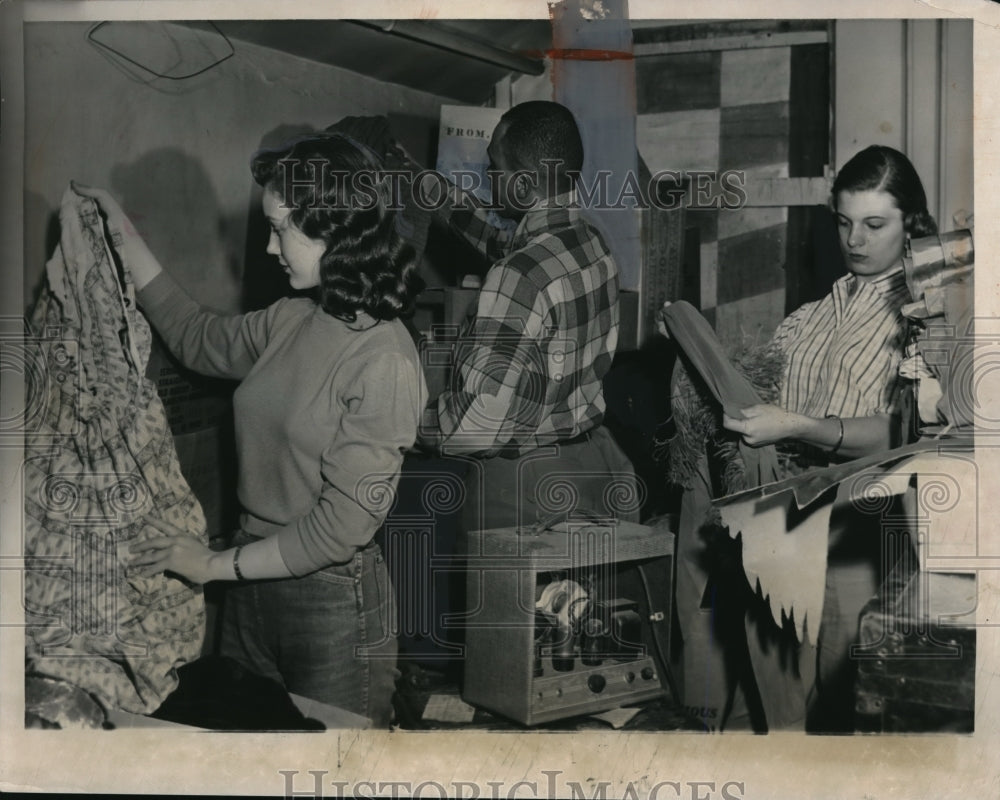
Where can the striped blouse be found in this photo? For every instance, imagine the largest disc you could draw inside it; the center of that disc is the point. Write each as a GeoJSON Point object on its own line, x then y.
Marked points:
{"type": "Point", "coordinates": [843, 351]}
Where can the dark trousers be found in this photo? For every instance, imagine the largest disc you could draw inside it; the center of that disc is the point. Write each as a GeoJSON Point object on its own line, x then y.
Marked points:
{"type": "Point", "coordinates": [591, 475]}
{"type": "Point", "coordinates": [328, 636]}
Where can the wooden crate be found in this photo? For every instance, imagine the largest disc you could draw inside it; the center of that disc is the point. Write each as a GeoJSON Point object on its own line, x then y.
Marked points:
{"type": "Point", "coordinates": [917, 657]}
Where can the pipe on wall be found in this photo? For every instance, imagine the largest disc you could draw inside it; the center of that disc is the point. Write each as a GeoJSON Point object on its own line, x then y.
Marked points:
{"type": "Point", "coordinates": [458, 42]}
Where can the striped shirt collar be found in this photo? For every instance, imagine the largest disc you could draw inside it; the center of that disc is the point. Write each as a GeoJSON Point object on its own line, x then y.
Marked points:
{"type": "Point", "coordinates": [888, 282]}
{"type": "Point", "coordinates": [890, 287]}
{"type": "Point", "coordinates": [843, 352]}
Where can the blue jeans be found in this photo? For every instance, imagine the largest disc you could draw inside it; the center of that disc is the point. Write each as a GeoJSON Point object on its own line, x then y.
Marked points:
{"type": "Point", "coordinates": [329, 636]}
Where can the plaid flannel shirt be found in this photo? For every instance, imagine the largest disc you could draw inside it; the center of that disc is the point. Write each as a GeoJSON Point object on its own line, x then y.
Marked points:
{"type": "Point", "coordinates": [528, 365]}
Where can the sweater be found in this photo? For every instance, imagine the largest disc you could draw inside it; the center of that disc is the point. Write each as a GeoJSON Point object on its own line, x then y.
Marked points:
{"type": "Point", "coordinates": [322, 415]}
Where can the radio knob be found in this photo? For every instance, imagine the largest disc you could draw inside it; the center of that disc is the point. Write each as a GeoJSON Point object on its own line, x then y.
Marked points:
{"type": "Point", "coordinates": [647, 673]}
{"type": "Point", "coordinates": [596, 683]}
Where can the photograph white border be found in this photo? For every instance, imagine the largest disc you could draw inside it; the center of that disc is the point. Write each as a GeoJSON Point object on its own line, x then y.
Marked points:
{"type": "Point", "coordinates": [487, 764]}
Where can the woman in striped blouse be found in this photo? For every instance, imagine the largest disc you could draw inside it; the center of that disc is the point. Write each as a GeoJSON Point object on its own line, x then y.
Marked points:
{"type": "Point", "coordinates": [840, 395]}
{"type": "Point", "coordinates": [841, 384]}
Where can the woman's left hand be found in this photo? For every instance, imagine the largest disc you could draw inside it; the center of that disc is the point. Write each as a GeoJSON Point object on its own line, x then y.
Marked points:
{"type": "Point", "coordinates": [141, 262]}
{"type": "Point", "coordinates": [764, 424]}
{"type": "Point", "coordinates": [175, 551]}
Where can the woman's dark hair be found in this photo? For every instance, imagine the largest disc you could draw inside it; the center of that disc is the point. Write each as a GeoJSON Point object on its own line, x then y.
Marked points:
{"type": "Point", "coordinates": [881, 168]}
{"type": "Point", "coordinates": [335, 189]}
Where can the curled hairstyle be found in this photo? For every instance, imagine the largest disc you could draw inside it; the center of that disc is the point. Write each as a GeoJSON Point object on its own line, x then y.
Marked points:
{"type": "Point", "coordinates": [880, 168]}
{"type": "Point", "coordinates": [541, 130]}
{"type": "Point", "coordinates": [332, 184]}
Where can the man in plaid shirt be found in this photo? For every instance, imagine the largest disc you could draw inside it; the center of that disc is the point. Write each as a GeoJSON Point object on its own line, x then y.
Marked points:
{"type": "Point", "coordinates": [525, 398]}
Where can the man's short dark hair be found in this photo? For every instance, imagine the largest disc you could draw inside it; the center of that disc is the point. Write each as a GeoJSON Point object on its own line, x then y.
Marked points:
{"type": "Point", "coordinates": [541, 130]}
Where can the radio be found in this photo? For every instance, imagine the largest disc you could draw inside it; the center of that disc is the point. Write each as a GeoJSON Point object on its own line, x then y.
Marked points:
{"type": "Point", "coordinates": [553, 630]}
{"type": "Point", "coordinates": [612, 632]}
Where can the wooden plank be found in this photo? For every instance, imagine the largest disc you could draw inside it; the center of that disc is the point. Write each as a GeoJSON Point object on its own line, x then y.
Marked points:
{"type": "Point", "coordinates": [708, 278]}
{"type": "Point", "coordinates": [753, 135]}
{"type": "Point", "coordinates": [751, 263]}
{"type": "Point", "coordinates": [679, 140]}
{"type": "Point", "coordinates": [650, 31]}
{"type": "Point", "coordinates": [678, 82]}
{"type": "Point", "coordinates": [737, 221]}
{"type": "Point", "coordinates": [809, 111]}
{"type": "Point", "coordinates": [628, 320]}
{"type": "Point", "coordinates": [752, 76]}
{"type": "Point", "coordinates": [750, 320]}
{"type": "Point", "coordinates": [788, 191]}
{"type": "Point", "coordinates": [663, 259]}
{"type": "Point", "coordinates": [730, 43]}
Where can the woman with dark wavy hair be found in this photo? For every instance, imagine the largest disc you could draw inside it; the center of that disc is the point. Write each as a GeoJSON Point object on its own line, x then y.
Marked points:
{"type": "Point", "coordinates": [331, 189]}
{"type": "Point", "coordinates": [330, 396]}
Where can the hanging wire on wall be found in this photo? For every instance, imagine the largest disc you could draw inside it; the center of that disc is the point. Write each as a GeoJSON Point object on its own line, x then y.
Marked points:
{"type": "Point", "coordinates": [92, 38]}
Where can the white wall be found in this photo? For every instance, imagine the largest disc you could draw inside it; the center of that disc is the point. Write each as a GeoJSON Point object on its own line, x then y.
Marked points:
{"type": "Point", "coordinates": [176, 154]}
{"type": "Point", "coordinates": [908, 84]}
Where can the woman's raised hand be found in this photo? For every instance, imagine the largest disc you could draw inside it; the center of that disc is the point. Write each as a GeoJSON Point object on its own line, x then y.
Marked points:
{"type": "Point", "coordinates": [141, 263]}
